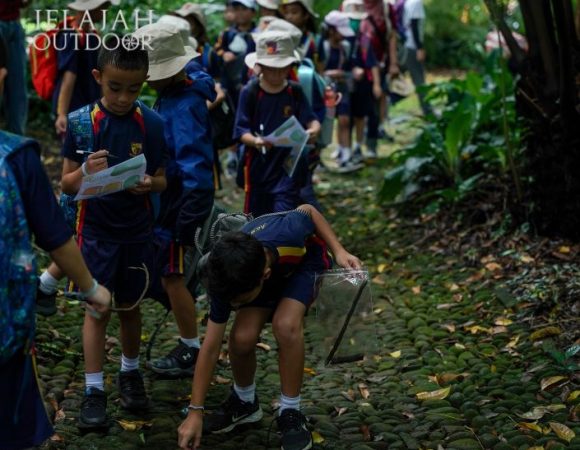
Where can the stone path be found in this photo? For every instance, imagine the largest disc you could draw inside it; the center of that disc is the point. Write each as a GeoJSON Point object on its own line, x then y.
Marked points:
{"type": "Point", "coordinates": [455, 368]}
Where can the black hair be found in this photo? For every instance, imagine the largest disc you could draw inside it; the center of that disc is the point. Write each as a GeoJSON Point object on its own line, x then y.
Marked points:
{"type": "Point", "coordinates": [124, 53]}
{"type": "Point", "coordinates": [235, 266]}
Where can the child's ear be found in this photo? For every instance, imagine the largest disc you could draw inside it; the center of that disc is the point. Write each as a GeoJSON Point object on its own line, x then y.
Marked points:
{"type": "Point", "coordinates": [97, 75]}
{"type": "Point", "coordinates": [267, 273]}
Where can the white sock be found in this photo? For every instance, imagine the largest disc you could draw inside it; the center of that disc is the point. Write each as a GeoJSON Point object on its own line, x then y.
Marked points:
{"type": "Point", "coordinates": [94, 380]}
{"type": "Point", "coordinates": [193, 342]}
{"type": "Point", "coordinates": [246, 394]}
{"type": "Point", "coordinates": [289, 403]}
{"type": "Point", "coordinates": [48, 284]}
{"type": "Point", "coordinates": [128, 364]}
{"type": "Point", "coordinates": [346, 154]}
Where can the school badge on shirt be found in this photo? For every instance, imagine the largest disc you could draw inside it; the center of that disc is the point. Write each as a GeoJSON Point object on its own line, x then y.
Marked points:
{"type": "Point", "coordinates": [136, 148]}
{"type": "Point", "coordinates": [287, 112]}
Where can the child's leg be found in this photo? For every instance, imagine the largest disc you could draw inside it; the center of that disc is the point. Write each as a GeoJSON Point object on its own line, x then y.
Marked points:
{"type": "Point", "coordinates": [288, 328]}
{"type": "Point", "coordinates": [130, 322]}
{"type": "Point", "coordinates": [344, 131]}
{"type": "Point", "coordinates": [94, 342]}
{"type": "Point", "coordinates": [182, 304]}
{"type": "Point", "coordinates": [242, 343]}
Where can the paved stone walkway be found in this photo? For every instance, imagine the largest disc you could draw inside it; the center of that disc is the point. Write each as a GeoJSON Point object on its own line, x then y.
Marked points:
{"type": "Point", "coordinates": [454, 368]}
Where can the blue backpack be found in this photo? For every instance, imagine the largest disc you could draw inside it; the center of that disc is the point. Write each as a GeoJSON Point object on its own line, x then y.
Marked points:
{"type": "Point", "coordinates": [18, 277]}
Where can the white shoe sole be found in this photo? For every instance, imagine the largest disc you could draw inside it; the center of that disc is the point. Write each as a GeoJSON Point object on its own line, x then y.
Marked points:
{"type": "Point", "coordinates": [255, 417]}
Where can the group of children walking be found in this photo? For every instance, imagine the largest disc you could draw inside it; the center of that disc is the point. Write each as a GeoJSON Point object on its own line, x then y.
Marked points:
{"type": "Point", "coordinates": [270, 69]}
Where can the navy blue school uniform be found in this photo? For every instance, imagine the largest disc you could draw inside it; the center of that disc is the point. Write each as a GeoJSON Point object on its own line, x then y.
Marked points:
{"type": "Point", "coordinates": [24, 420]}
{"type": "Point", "coordinates": [267, 186]}
{"type": "Point", "coordinates": [340, 58]}
{"type": "Point", "coordinates": [234, 75]}
{"type": "Point", "coordinates": [115, 232]}
{"type": "Point", "coordinates": [188, 199]}
{"type": "Point", "coordinates": [79, 61]}
{"type": "Point", "coordinates": [362, 103]}
{"type": "Point", "coordinates": [299, 255]}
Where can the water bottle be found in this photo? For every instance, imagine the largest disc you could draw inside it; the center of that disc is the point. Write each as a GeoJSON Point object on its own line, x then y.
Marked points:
{"type": "Point", "coordinates": [330, 101]}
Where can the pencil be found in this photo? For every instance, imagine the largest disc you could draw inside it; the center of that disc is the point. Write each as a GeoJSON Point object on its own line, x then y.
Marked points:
{"type": "Point", "coordinates": [87, 152]}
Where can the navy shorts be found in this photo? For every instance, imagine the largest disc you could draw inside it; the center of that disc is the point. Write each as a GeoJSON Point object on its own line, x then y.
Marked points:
{"type": "Point", "coordinates": [362, 99]}
{"type": "Point", "coordinates": [343, 108]}
{"type": "Point", "coordinates": [119, 267]}
{"type": "Point", "coordinates": [169, 257]}
{"type": "Point", "coordinates": [301, 284]}
{"type": "Point", "coordinates": [29, 425]}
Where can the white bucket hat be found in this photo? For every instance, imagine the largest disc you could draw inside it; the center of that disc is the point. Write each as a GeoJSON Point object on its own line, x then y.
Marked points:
{"type": "Point", "coordinates": [273, 49]}
{"type": "Point", "coordinates": [283, 27]}
{"type": "Point", "coordinates": [339, 20]}
{"type": "Point", "coordinates": [192, 9]}
{"type": "Point", "coordinates": [350, 8]}
{"type": "Point", "coordinates": [89, 5]}
{"type": "Point", "coordinates": [167, 52]}
{"type": "Point", "coordinates": [182, 25]}
{"type": "Point", "coordinates": [308, 4]}
{"type": "Point", "coordinates": [251, 4]}
{"type": "Point", "coordinates": [269, 4]}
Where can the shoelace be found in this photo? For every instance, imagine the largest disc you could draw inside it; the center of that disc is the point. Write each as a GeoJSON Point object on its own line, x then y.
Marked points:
{"type": "Point", "coordinates": [133, 384]}
{"type": "Point", "coordinates": [92, 401]}
{"type": "Point", "coordinates": [292, 421]}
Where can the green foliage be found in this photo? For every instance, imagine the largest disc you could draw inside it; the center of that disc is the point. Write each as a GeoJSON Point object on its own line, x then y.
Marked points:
{"type": "Point", "coordinates": [465, 141]}
{"type": "Point", "coordinates": [563, 359]}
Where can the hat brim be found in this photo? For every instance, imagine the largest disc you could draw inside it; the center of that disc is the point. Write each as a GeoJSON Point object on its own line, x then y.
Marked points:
{"type": "Point", "coordinates": [268, 4]}
{"type": "Point", "coordinates": [357, 15]}
{"type": "Point", "coordinates": [184, 12]}
{"type": "Point", "coordinates": [168, 68]}
{"type": "Point", "coordinates": [89, 6]}
{"type": "Point", "coordinates": [277, 62]}
{"type": "Point", "coordinates": [346, 32]}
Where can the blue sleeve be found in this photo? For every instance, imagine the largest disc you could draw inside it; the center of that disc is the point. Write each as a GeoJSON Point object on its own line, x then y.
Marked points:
{"type": "Point", "coordinates": [318, 107]}
{"type": "Point", "coordinates": [305, 114]}
{"type": "Point", "coordinates": [193, 145]}
{"type": "Point", "coordinates": [67, 58]}
{"type": "Point", "coordinates": [44, 216]}
{"type": "Point", "coordinates": [219, 312]}
{"type": "Point", "coordinates": [156, 146]}
{"type": "Point", "coordinates": [243, 123]}
{"type": "Point", "coordinates": [69, 148]}
{"type": "Point", "coordinates": [299, 227]}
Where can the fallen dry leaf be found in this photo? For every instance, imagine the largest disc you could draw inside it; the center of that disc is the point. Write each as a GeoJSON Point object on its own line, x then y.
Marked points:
{"type": "Point", "coordinates": [513, 342]}
{"type": "Point", "coordinates": [449, 327]}
{"type": "Point", "coordinates": [364, 391]}
{"type": "Point", "coordinates": [503, 321]}
{"type": "Point", "coordinates": [59, 416]}
{"type": "Point", "coordinates": [564, 249]}
{"type": "Point", "coordinates": [547, 382]}
{"type": "Point", "coordinates": [134, 425]}
{"type": "Point", "coordinates": [381, 268]}
{"type": "Point", "coordinates": [498, 330]}
{"type": "Point", "coordinates": [263, 346]}
{"type": "Point", "coordinates": [396, 354]}
{"type": "Point", "coordinates": [340, 411]}
{"type": "Point", "coordinates": [562, 431]}
{"type": "Point", "coordinates": [459, 346]}
{"type": "Point", "coordinates": [545, 332]}
{"type": "Point", "coordinates": [453, 287]}
{"type": "Point", "coordinates": [445, 378]}
{"type": "Point", "coordinates": [535, 414]}
{"type": "Point", "coordinates": [446, 305]}
{"type": "Point", "coordinates": [493, 267]}
{"type": "Point", "coordinates": [526, 259]}
{"type": "Point", "coordinates": [530, 426]}
{"type": "Point", "coordinates": [573, 396]}
{"type": "Point", "coordinates": [378, 280]}
{"type": "Point", "coordinates": [364, 429]}
{"type": "Point", "coordinates": [349, 395]}
{"type": "Point", "coordinates": [222, 380]}
{"type": "Point", "coordinates": [416, 290]}
{"type": "Point", "coordinates": [309, 371]}
{"type": "Point", "coordinates": [56, 438]}
{"type": "Point", "coordinates": [439, 394]}
{"type": "Point", "coordinates": [317, 437]}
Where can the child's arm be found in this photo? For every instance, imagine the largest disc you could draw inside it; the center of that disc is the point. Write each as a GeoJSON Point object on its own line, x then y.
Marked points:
{"type": "Point", "coordinates": [72, 172]}
{"type": "Point", "coordinates": [155, 183]}
{"type": "Point", "coordinates": [377, 90]}
{"type": "Point", "coordinates": [63, 102]}
{"type": "Point", "coordinates": [254, 141]}
{"type": "Point", "coordinates": [313, 130]}
{"type": "Point", "coordinates": [191, 428]}
{"type": "Point", "coordinates": [324, 231]}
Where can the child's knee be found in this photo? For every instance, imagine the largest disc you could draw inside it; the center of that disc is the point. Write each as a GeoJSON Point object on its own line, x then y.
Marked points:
{"type": "Point", "coordinates": [287, 330]}
{"type": "Point", "coordinates": [242, 342]}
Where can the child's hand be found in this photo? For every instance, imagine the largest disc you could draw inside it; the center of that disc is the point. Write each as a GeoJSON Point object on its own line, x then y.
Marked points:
{"type": "Point", "coordinates": [143, 187]}
{"type": "Point", "coordinates": [97, 161]}
{"type": "Point", "coordinates": [3, 75]}
{"type": "Point", "coordinates": [261, 142]}
{"type": "Point", "coordinates": [189, 432]}
{"type": "Point", "coordinates": [60, 124]}
{"type": "Point", "coordinates": [346, 260]}
{"type": "Point", "coordinates": [100, 302]}
{"type": "Point", "coordinates": [312, 135]}
{"type": "Point", "coordinates": [358, 73]}
{"type": "Point", "coordinates": [229, 57]}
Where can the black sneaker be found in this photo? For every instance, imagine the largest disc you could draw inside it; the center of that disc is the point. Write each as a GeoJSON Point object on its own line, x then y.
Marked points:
{"type": "Point", "coordinates": [45, 303]}
{"type": "Point", "coordinates": [292, 426]}
{"type": "Point", "coordinates": [93, 410]}
{"type": "Point", "coordinates": [231, 413]}
{"type": "Point", "coordinates": [180, 362]}
{"type": "Point", "coordinates": [132, 390]}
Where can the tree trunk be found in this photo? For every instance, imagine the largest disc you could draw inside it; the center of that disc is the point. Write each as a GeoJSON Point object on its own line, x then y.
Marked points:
{"type": "Point", "coordinates": [548, 102]}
